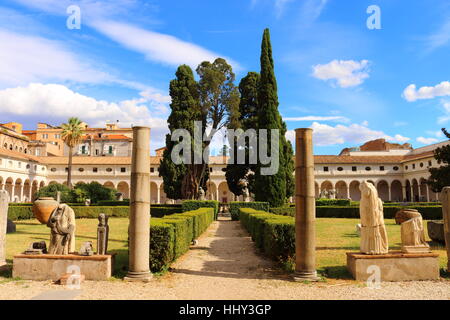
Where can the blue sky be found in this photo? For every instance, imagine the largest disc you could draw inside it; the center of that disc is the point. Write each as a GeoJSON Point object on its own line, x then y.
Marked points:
{"type": "Point", "coordinates": [349, 83]}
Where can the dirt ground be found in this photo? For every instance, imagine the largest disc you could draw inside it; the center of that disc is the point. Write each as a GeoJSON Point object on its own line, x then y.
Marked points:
{"type": "Point", "coordinates": [224, 265]}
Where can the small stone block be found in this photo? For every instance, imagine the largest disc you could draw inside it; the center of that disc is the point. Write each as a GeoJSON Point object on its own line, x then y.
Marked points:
{"type": "Point", "coordinates": [66, 276]}
{"type": "Point", "coordinates": [395, 266]}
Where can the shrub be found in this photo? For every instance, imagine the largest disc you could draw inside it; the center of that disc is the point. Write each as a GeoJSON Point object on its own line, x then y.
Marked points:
{"type": "Point", "coordinates": [191, 205]}
{"type": "Point", "coordinates": [332, 202]}
{"type": "Point", "coordinates": [159, 212]}
{"type": "Point", "coordinates": [113, 203]}
{"type": "Point", "coordinates": [274, 235]}
{"type": "Point", "coordinates": [20, 212]}
{"type": "Point", "coordinates": [94, 191]}
{"type": "Point", "coordinates": [235, 206]}
{"type": "Point", "coordinates": [171, 236]}
{"type": "Point", "coordinates": [52, 189]}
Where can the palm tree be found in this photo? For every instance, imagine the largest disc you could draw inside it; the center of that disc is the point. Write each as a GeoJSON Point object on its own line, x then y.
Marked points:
{"type": "Point", "coordinates": [71, 134]}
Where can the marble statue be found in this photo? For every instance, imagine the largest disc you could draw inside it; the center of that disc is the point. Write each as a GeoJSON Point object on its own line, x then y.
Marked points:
{"type": "Point", "coordinates": [87, 249]}
{"type": "Point", "coordinates": [413, 236]}
{"type": "Point", "coordinates": [323, 194]}
{"type": "Point", "coordinates": [246, 194]}
{"type": "Point", "coordinates": [201, 194]}
{"type": "Point", "coordinates": [62, 227]}
{"type": "Point", "coordinates": [3, 225]}
{"type": "Point", "coordinates": [119, 196]}
{"type": "Point", "coordinates": [87, 202]}
{"type": "Point", "coordinates": [102, 234]}
{"type": "Point", "coordinates": [374, 239]}
{"type": "Point", "coordinates": [445, 199]}
{"type": "Point", "coordinates": [332, 194]}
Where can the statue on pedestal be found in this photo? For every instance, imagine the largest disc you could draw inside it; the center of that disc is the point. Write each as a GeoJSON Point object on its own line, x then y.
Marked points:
{"type": "Point", "coordinates": [246, 194]}
{"type": "Point", "coordinates": [413, 236]}
{"type": "Point", "coordinates": [62, 226]}
{"type": "Point", "coordinates": [373, 231]}
{"type": "Point", "coordinates": [102, 234]}
{"type": "Point", "coordinates": [201, 194]}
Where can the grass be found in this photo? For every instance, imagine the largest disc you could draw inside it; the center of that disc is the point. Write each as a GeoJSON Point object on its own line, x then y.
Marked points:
{"type": "Point", "coordinates": [335, 237]}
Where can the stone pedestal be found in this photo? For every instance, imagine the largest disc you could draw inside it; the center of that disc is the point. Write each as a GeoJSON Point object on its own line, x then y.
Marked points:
{"type": "Point", "coordinates": [43, 267]}
{"type": "Point", "coordinates": [395, 266]}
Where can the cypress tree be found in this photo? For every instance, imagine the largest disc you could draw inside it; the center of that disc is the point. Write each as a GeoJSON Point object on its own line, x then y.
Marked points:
{"type": "Point", "coordinates": [272, 188]}
{"type": "Point", "coordinates": [186, 109]}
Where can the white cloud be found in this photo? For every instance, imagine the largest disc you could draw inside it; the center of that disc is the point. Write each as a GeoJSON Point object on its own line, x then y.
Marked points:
{"type": "Point", "coordinates": [326, 135]}
{"type": "Point", "coordinates": [440, 38]}
{"type": "Point", "coordinates": [411, 93]}
{"type": "Point", "coordinates": [59, 102]}
{"type": "Point", "coordinates": [156, 46]}
{"type": "Point", "coordinates": [423, 140]}
{"type": "Point", "coordinates": [446, 108]}
{"type": "Point", "coordinates": [317, 118]}
{"type": "Point", "coordinates": [347, 73]}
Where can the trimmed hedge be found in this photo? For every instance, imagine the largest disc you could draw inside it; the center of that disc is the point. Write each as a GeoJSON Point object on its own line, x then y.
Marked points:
{"type": "Point", "coordinates": [191, 205]}
{"type": "Point", "coordinates": [332, 202]}
{"type": "Point", "coordinates": [274, 235]}
{"type": "Point", "coordinates": [170, 237]}
{"type": "Point", "coordinates": [159, 212]}
{"type": "Point", "coordinates": [113, 203]}
{"type": "Point", "coordinates": [428, 212]}
{"type": "Point", "coordinates": [236, 205]}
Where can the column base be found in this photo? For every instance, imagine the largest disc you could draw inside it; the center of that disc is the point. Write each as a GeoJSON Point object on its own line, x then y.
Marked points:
{"type": "Point", "coordinates": [302, 276]}
{"type": "Point", "coordinates": [138, 276]}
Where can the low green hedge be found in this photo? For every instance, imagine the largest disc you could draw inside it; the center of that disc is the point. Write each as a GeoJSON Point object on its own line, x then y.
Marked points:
{"type": "Point", "coordinates": [235, 206]}
{"type": "Point", "coordinates": [113, 203]}
{"type": "Point", "coordinates": [159, 212]}
{"type": "Point", "coordinates": [274, 235]}
{"type": "Point", "coordinates": [190, 205]}
{"type": "Point", "coordinates": [171, 236]}
{"type": "Point", "coordinates": [428, 212]}
{"type": "Point", "coordinates": [332, 202]}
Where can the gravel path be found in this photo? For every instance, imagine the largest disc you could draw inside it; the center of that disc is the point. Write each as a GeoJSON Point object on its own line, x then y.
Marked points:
{"type": "Point", "coordinates": [225, 265]}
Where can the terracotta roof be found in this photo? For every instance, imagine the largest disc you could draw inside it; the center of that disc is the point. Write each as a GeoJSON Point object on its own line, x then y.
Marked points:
{"type": "Point", "coordinates": [94, 160]}
{"type": "Point", "coordinates": [418, 156]}
{"type": "Point", "coordinates": [109, 137]}
{"type": "Point", "coordinates": [357, 159]}
{"type": "Point", "coordinates": [18, 155]}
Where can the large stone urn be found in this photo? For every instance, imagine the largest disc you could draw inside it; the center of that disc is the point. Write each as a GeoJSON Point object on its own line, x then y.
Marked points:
{"type": "Point", "coordinates": [43, 208]}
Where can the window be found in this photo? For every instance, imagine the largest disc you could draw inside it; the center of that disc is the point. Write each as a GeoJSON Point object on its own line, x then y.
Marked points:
{"type": "Point", "coordinates": [25, 150]}
{"type": "Point", "coordinates": [406, 167]}
{"type": "Point", "coordinates": [81, 169]}
{"type": "Point", "coordinates": [414, 166]}
{"type": "Point", "coordinates": [354, 169]}
{"type": "Point", "coordinates": [83, 149]}
{"type": "Point", "coordinates": [66, 169]}
{"type": "Point", "coordinates": [38, 152]}
{"type": "Point", "coordinates": [396, 168]}
{"type": "Point", "coordinates": [28, 166]}
{"type": "Point", "coordinates": [96, 152]}
{"type": "Point", "coordinates": [57, 136]}
{"type": "Point", "coordinates": [430, 163]}
{"type": "Point", "coordinates": [45, 136]}
{"type": "Point", "coordinates": [421, 164]}
{"type": "Point", "coordinates": [381, 168]}
{"type": "Point", "coordinates": [152, 170]}
{"type": "Point", "coordinates": [210, 169]}
{"type": "Point", "coordinates": [340, 169]}
{"type": "Point", "coordinates": [110, 149]}
{"type": "Point", "coordinates": [123, 169]}
{"type": "Point", "coordinates": [109, 169]}
{"type": "Point", "coordinates": [53, 169]}
{"type": "Point", "coordinates": [94, 169]}
{"type": "Point", "coordinates": [368, 168]}
{"type": "Point", "coordinates": [326, 169]}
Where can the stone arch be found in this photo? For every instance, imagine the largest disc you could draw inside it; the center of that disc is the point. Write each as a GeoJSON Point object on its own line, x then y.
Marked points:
{"type": "Point", "coordinates": [409, 195]}
{"type": "Point", "coordinates": [41, 184]}
{"type": "Point", "coordinates": [154, 194]}
{"type": "Point", "coordinates": [9, 187]}
{"type": "Point", "coordinates": [17, 194]}
{"type": "Point", "coordinates": [109, 184]}
{"type": "Point", "coordinates": [341, 190]}
{"type": "Point", "coordinates": [316, 189]}
{"type": "Point", "coordinates": [211, 193]}
{"type": "Point", "coordinates": [34, 189]}
{"type": "Point", "coordinates": [355, 193]}
{"type": "Point", "coordinates": [415, 191]}
{"type": "Point", "coordinates": [397, 191]}
{"type": "Point", "coordinates": [27, 191]}
{"type": "Point", "coordinates": [423, 188]}
{"type": "Point", "coordinates": [123, 188]}
{"type": "Point", "coordinates": [383, 190]}
{"type": "Point", "coordinates": [225, 194]}
{"type": "Point", "coordinates": [326, 185]}
{"type": "Point", "coordinates": [52, 182]}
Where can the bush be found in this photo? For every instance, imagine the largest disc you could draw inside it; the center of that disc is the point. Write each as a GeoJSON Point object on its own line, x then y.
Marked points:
{"type": "Point", "coordinates": [191, 205]}
{"type": "Point", "coordinates": [94, 191]}
{"type": "Point", "coordinates": [235, 206]}
{"type": "Point", "coordinates": [171, 236]}
{"type": "Point", "coordinates": [352, 212]}
{"type": "Point", "coordinates": [52, 189]}
{"type": "Point", "coordinates": [332, 202]}
{"type": "Point", "coordinates": [113, 203]}
{"type": "Point", "coordinates": [159, 212]}
{"type": "Point", "coordinates": [274, 235]}
{"type": "Point", "coordinates": [20, 213]}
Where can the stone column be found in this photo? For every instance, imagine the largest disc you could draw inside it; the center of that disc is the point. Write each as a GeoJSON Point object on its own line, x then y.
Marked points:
{"type": "Point", "coordinates": [428, 193]}
{"type": "Point", "coordinates": [445, 199]}
{"type": "Point", "coordinates": [403, 192]}
{"type": "Point", "coordinates": [3, 224]}
{"type": "Point", "coordinates": [305, 233]}
{"type": "Point", "coordinates": [158, 194]}
{"type": "Point", "coordinates": [139, 228]}
{"type": "Point", "coordinates": [389, 192]}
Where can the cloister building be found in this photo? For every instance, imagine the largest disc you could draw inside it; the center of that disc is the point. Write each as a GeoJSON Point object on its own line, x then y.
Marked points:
{"type": "Point", "coordinates": [398, 171]}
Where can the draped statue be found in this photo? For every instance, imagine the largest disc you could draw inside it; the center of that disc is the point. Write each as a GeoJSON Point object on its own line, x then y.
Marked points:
{"type": "Point", "coordinates": [62, 228]}
{"type": "Point", "coordinates": [413, 236]}
{"type": "Point", "coordinates": [445, 199]}
{"type": "Point", "coordinates": [373, 231]}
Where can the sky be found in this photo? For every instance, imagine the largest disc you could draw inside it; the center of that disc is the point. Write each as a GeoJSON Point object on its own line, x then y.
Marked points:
{"type": "Point", "coordinates": [348, 82]}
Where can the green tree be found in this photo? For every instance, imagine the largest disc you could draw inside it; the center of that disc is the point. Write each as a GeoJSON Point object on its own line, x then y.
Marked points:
{"type": "Point", "coordinates": [71, 134]}
{"type": "Point", "coordinates": [185, 108]}
{"type": "Point", "coordinates": [440, 177]}
{"type": "Point", "coordinates": [52, 189]}
{"type": "Point", "coordinates": [248, 119]}
{"type": "Point", "coordinates": [93, 191]}
{"type": "Point", "coordinates": [271, 188]}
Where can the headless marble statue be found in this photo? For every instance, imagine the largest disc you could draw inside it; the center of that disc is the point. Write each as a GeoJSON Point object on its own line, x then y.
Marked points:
{"type": "Point", "coordinates": [373, 231]}
{"type": "Point", "coordinates": [413, 236]}
{"type": "Point", "coordinates": [62, 225]}
{"type": "Point", "coordinates": [445, 199]}
{"type": "Point", "coordinates": [102, 234]}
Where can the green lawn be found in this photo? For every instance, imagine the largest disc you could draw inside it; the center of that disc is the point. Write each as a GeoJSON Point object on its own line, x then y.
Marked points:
{"type": "Point", "coordinates": [335, 237]}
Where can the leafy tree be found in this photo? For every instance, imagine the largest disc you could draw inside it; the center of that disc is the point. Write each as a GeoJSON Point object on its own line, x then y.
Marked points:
{"type": "Point", "coordinates": [271, 188]}
{"type": "Point", "coordinates": [52, 189]}
{"type": "Point", "coordinates": [71, 134]}
{"type": "Point", "coordinates": [94, 191]}
{"type": "Point", "coordinates": [248, 119]}
{"type": "Point", "coordinates": [440, 177]}
{"type": "Point", "coordinates": [185, 107]}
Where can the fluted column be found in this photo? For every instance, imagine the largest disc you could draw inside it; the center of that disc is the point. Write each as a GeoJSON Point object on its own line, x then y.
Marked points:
{"type": "Point", "coordinates": [305, 203]}
{"type": "Point", "coordinates": [139, 228]}
{"type": "Point", "coordinates": [3, 225]}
